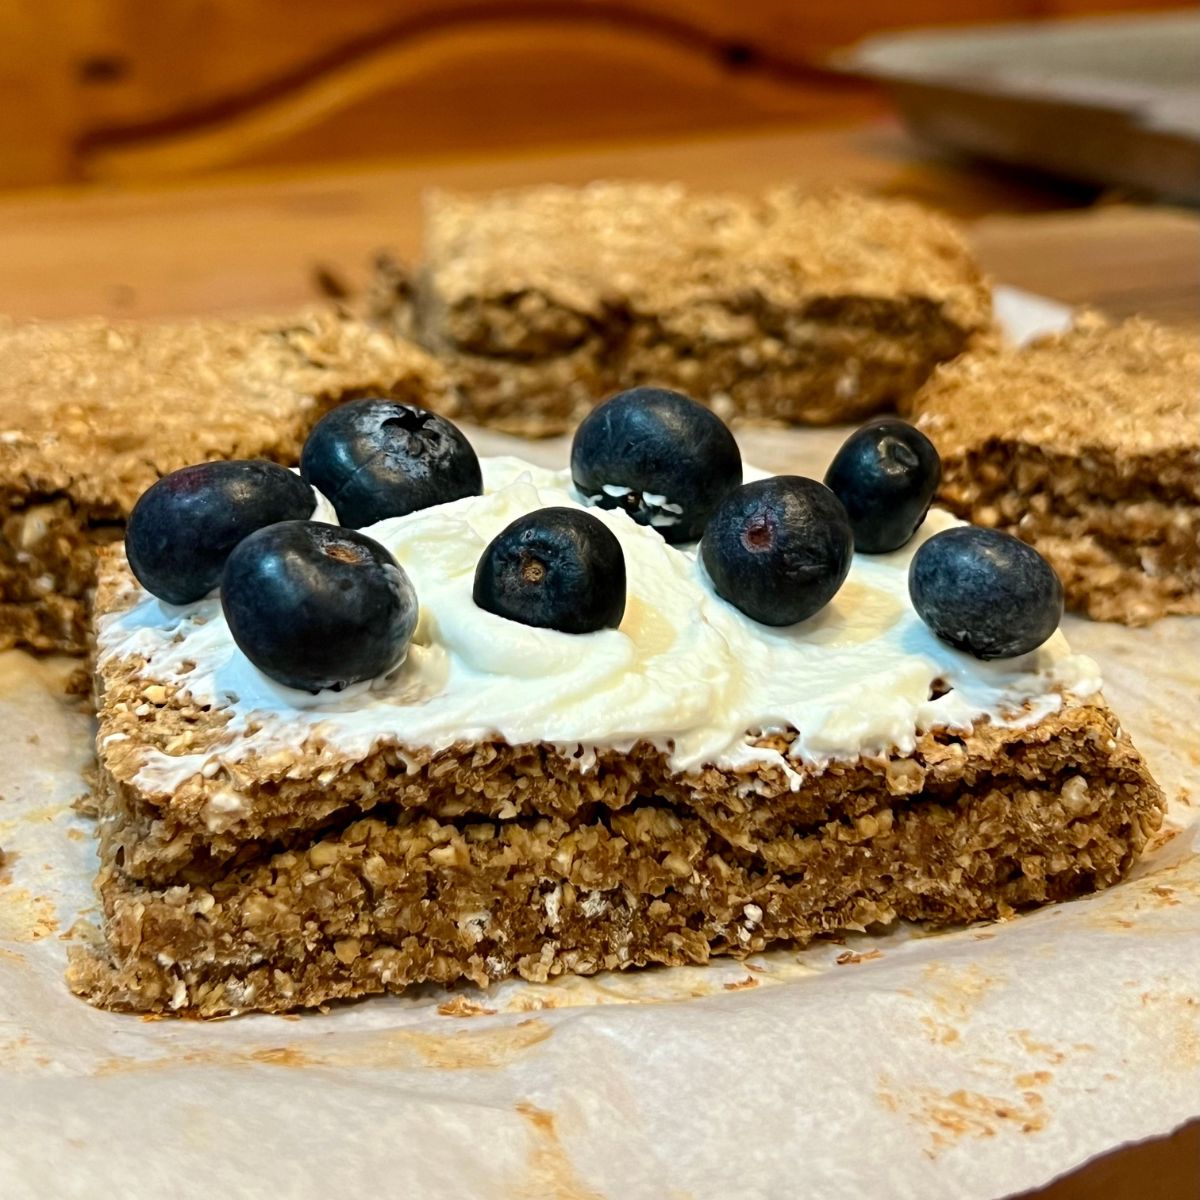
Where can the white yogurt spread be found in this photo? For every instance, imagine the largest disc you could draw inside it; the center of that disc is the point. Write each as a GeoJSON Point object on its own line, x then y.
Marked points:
{"type": "Point", "coordinates": [685, 670]}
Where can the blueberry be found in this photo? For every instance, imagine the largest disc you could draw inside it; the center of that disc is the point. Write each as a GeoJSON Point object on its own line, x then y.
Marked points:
{"type": "Point", "coordinates": [985, 592]}
{"type": "Point", "coordinates": [664, 459]}
{"type": "Point", "coordinates": [376, 459]}
{"type": "Point", "coordinates": [183, 527]}
{"type": "Point", "coordinates": [556, 568]}
{"type": "Point", "coordinates": [885, 474]}
{"type": "Point", "coordinates": [779, 548]}
{"type": "Point", "coordinates": [317, 606]}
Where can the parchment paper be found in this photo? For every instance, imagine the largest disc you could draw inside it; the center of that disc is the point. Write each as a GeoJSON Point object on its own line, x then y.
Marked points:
{"type": "Point", "coordinates": [974, 1063]}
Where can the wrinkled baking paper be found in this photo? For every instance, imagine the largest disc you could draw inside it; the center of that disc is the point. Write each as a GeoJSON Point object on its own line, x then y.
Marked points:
{"type": "Point", "coordinates": [967, 1064]}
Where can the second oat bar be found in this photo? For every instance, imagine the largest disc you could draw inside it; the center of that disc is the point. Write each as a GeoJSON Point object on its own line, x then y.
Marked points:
{"type": "Point", "coordinates": [813, 308]}
{"type": "Point", "coordinates": [92, 412]}
{"type": "Point", "coordinates": [1086, 445]}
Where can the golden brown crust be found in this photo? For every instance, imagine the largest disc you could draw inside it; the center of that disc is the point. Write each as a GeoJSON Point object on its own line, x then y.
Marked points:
{"type": "Point", "coordinates": [98, 410]}
{"type": "Point", "coordinates": [1130, 390]}
{"type": "Point", "coordinates": [1087, 445]}
{"type": "Point", "coordinates": [557, 258]}
{"type": "Point", "coordinates": [92, 412]}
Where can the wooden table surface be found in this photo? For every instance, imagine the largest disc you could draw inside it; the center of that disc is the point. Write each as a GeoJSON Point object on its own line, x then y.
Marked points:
{"type": "Point", "coordinates": [253, 243]}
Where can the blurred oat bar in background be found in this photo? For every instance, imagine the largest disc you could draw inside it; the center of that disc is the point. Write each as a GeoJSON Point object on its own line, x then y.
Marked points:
{"type": "Point", "coordinates": [1087, 445]}
{"type": "Point", "coordinates": [813, 308]}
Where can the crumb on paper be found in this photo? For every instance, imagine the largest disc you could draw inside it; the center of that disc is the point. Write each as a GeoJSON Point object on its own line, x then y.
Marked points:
{"type": "Point", "coordinates": [1161, 839]}
{"type": "Point", "coordinates": [736, 985]}
{"type": "Point", "coordinates": [849, 957]}
{"type": "Point", "coordinates": [460, 1006]}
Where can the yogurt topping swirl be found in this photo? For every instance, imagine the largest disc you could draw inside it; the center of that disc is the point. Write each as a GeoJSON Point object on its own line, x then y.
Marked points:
{"type": "Point", "coordinates": [685, 671]}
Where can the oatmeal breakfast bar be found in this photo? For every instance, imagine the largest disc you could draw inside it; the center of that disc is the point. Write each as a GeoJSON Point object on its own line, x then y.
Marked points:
{"type": "Point", "coordinates": [508, 803]}
{"type": "Point", "coordinates": [91, 412]}
{"type": "Point", "coordinates": [1086, 445]}
{"type": "Point", "coordinates": [814, 308]}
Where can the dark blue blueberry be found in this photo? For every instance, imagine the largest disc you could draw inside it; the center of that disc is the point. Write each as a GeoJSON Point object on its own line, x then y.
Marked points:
{"type": "Point", "coordinates": [664, 459]}
{"type": "Point", "coordinates": [778, 549]}
{"type": "Point", "coordinates": [885, 475]}
{"type": "Point", "coordinates": [376, 459]}
{"type": "Point", "coordinates": [985, 592]}
{"type": "Point", "coordinates": [183, 527]}
{"type": "Point", "coordinates": [557, 568]}
{"type": "Point", "coordinates": [317, 606]}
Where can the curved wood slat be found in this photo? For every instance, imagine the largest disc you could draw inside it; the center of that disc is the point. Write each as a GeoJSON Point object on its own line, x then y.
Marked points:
{"type": "Point", "coordinates": [146, 60]}
{"type": "Point", "coordinates": [253, 81]}
{"type": "Point", "coordinates": [749, 42]}
{"type": "Point", "coordinates": [510, 83]}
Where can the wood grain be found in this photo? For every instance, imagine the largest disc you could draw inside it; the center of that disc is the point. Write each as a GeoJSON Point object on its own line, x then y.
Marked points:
{"type": "Point", "coordinates": [248, 243]}
{"type": "Point", "coordinates": [254, 243]}
{"type": "Point", "coordinates": [519, 82]}
{"type": "Point", "coordinates": [36, 118]}
{"type": "Point", "coordinates": [1125, 260]}
{"type": "Point", "coordinates": [137, 89]}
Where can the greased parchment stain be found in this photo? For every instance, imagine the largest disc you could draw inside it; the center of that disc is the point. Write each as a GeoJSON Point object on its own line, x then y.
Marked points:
{"type": "Point", "coordinates": [948, 1117]}
{"type": "Point", "coordinates": [486, 1048]}
{"type": "Point", "coordinates": [550, 1174]}
{"type": "Point", "coordinates": [954, 992]}
{"type": "Point", "coordinates": [25, 917]}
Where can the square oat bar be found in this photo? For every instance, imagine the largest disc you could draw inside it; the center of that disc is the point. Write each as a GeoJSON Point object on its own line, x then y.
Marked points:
{"type": "Point", "coordinates": [1087, 445]}
{"type": "Point", "coordinates": [790, 306]}
{"type": "Point", "coordinates": [509, 805]}
{"type": "Point", "coordinates": [92, 412]}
